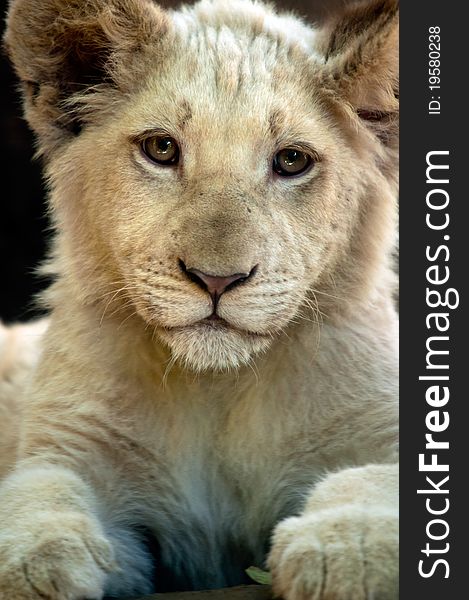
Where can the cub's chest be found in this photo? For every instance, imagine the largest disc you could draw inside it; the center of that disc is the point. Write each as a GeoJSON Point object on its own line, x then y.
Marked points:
{"type": "Point", "coordinates": [230, 479]}
{"type": "Point", "coordinates": [198, 519]}
{"type": "Point", "coordinates": [220, 480]}
{"type": "Point", "coordinates": [212, 519]}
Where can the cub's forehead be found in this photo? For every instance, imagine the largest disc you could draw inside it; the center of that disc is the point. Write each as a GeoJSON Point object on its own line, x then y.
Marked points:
{"type": "Point", "coordinates": [240, 39]}
{"type": "Point", "coordinates": [242, 20]}
{"type": "Point", "coordinates": [226, 61]}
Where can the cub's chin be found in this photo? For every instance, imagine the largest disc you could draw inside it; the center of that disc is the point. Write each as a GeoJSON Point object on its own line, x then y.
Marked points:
{"type": "Point", "coordinates": [213, 347]}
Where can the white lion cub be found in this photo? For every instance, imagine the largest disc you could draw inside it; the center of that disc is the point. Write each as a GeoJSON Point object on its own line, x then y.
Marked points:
{"type": "Point", "coordinates": [217, 385]}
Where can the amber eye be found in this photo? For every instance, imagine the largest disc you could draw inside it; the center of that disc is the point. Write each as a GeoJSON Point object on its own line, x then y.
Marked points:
{"type": "Point", "coordinates": [290, 161]}
{"type": "Point", "coordinates": [161, 149]}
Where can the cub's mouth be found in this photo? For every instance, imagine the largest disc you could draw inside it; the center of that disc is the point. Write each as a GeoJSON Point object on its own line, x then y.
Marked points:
{"type": "Point", "coordinates": [213, 343]}
{"type": "Point", "coordinates": [215, 320]}
{"type": "Point", "coordinates": [215, 323]}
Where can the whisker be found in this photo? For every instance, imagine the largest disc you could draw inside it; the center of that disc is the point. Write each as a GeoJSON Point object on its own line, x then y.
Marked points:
{"type": "Point", "coordinates": [314, 306]}
{"type": "Point", "coordinates": [307, 319]}
{"type": "Point", "coordinates": [113, 291]}
{"type": "Point", "coordinates": [167, 371]}
{"type": "Point", "coordinates": [113, 297]}
{"type": "Point", "coordinates": [252, 365]}
{"type": "Point", "coordinates": [132, 314]}
{"type": "Point", "coordinates": [121, 307]}
{"type": "Point", "coordinates": [315, 291]}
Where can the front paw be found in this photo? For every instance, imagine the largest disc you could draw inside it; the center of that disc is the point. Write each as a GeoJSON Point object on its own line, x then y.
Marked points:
{"type": "Point", "coordinates": [343, 553]}
{"type": "Point", "coordinates": [58, 556]}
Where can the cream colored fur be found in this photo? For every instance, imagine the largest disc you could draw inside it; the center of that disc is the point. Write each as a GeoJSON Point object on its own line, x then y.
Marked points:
{"type": "Point", "coordinates": [19, 354]}
{"type": "Point", "coordinates": [275, 426]}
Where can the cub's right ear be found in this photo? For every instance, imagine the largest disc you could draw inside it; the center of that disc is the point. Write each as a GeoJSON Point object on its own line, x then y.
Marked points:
{"type": "Point", "coordinates": [66, 50]}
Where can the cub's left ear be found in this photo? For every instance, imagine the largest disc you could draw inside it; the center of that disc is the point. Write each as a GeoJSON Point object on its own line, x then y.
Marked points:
{"type": "Point", "coordinates": [361, 54]}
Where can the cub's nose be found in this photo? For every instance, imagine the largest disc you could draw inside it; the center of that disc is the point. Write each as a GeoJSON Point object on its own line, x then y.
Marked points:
{"type": "Point", "coordinates": [215, 285]}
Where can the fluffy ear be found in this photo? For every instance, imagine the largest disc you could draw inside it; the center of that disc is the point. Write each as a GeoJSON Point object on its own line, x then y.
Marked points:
{"type": "Point", "coordinates": [361, 53]}
{"type": "Point", "coordinates": [61, 48]}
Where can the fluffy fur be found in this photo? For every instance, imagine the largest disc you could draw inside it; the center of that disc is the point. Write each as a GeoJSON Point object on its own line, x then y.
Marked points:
{"type": "Point", "coordinates": [148, 428]}
{"type": "Point", "coordinates": [19, 354]}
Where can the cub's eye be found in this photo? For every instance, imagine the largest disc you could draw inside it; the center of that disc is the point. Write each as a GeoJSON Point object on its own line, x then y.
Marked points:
{"type": "Point", "coordinates": [161, 149]}
{"type": "Point", "coordinates": [289, 162]}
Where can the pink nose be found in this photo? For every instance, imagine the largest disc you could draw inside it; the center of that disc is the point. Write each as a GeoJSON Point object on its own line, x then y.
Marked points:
{"type": "Point", "coordinates": [215, 285]}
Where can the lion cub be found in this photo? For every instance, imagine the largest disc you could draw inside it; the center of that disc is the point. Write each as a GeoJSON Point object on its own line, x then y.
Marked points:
{"type": "Point", "coordinates": [217, 385]}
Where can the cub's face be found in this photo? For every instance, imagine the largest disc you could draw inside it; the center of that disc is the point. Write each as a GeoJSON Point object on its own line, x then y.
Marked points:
{"type": "Point", "coordinates": [216, 197]}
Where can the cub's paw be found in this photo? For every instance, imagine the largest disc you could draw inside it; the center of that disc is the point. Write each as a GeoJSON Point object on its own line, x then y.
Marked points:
{"type": "Point", "coordinates": [343, 553]}
{"type": "Point", "coordinates": [57, 556]}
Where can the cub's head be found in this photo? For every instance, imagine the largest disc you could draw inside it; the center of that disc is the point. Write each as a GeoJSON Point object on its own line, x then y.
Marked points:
{"type": "Point", "coordinates": [218, 173]}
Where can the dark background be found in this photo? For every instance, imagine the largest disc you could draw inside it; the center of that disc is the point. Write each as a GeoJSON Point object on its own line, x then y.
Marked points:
{"type": "Point", "coordinates": [23, 224]}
